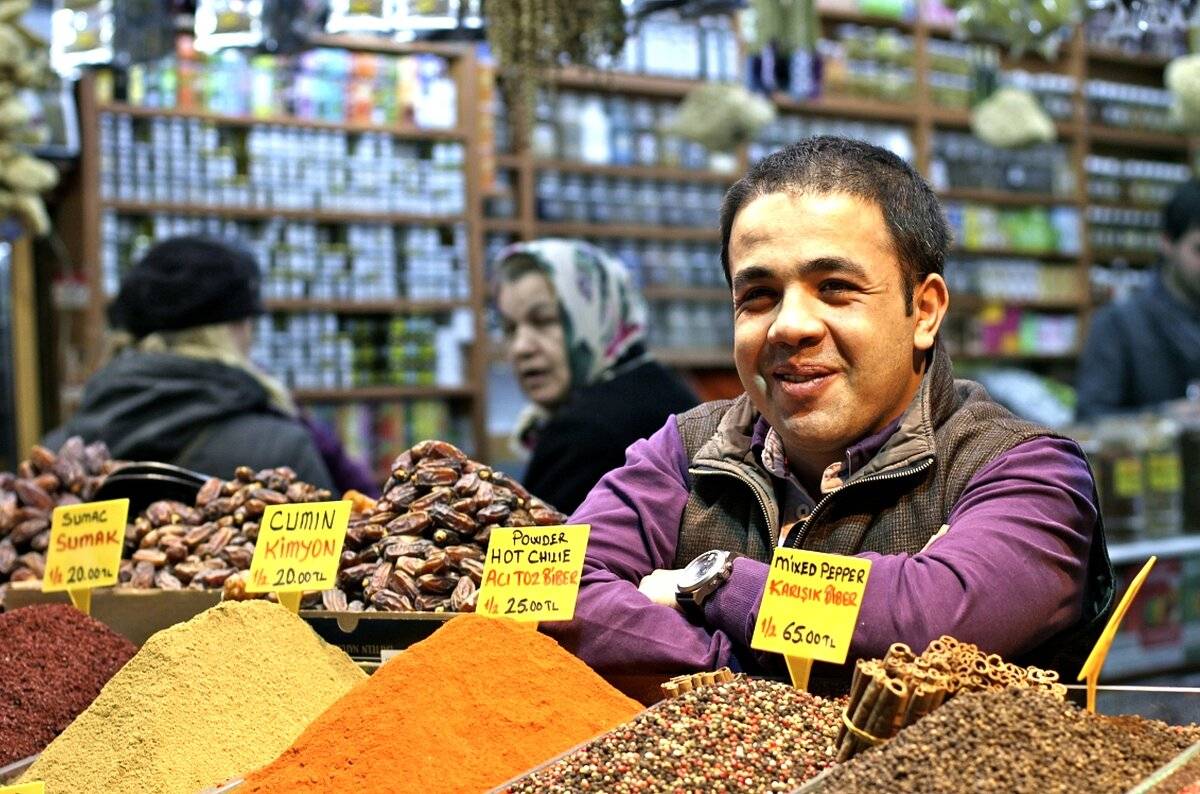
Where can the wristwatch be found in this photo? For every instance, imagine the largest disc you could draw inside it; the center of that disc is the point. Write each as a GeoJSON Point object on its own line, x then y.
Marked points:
{"type": "Point", "coordinates": [702, 577]}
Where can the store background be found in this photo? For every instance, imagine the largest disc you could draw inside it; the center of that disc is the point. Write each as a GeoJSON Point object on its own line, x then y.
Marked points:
{"type": "Point", "coordinates": [374, 177]}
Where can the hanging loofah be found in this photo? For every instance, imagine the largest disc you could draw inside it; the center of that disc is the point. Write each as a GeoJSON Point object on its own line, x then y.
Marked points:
{"type": "Point", "coordinates": [1183, 81]}
{"type": "Point", "coordinates": [1041, 26]}
{"type": "Point", "coordinates": [722, 117]}
{"type": "Point", "coordinates": [1011, 117]}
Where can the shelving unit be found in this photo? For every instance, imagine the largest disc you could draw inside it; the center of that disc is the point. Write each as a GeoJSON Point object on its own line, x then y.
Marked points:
{"type": "Point", "coordinates": [467, 402]}
{"type": "Point", "coordinates": [924, 118]}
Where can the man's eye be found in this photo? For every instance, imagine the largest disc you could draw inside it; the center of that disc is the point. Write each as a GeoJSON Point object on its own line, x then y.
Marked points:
{"type": "Point", "coordinates": [754, 293]}
{"type": "Point", "coordinates": [835, 285]}
{"type": "Point", "coordinates": [508, 329]}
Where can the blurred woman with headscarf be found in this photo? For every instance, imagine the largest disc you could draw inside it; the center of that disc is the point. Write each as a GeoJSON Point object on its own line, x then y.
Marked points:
{"type": "Point", "coordinates": [575, 332]}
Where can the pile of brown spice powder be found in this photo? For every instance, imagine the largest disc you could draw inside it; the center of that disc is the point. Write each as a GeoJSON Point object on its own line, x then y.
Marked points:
{"type": "Point", "coordinates": [53, 662]}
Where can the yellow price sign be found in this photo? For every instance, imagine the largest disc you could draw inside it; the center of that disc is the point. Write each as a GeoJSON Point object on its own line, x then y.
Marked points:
{"type": "Point", "coordinates": [298, 548]}
{"type": "Point", "coordinates": [36, 787]}
{"type": "Point", "coordinates": [532, 573]}
{"type": "Point", "coordinates": [810, 606]}
{"type": "Point", "coordinates": [85, 548]}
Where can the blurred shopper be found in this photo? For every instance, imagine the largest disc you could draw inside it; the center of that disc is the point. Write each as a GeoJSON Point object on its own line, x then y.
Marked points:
{"type": "Point", "coordinates": [181, 388]}
{"type": "Point", "coordinates": [575, 326]}
{"type": "Point", "coordinates": [1145, 349]}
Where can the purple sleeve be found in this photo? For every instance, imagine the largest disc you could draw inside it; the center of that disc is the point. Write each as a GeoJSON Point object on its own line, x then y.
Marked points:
{"type": "Point", "coordinates": [1007, 575]}
{"type": "Point", "coordinates": [634, 512]}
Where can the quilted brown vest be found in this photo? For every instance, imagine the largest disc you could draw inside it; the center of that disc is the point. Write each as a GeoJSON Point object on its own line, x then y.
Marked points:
{"type": "Point", "coordinates": [895, 504]}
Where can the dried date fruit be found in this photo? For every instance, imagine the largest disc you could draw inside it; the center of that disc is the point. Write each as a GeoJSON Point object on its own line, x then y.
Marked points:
{"type": "Point", "coordinates": [143, 575]}
{"type": "Point", "coordinates": [436, 496]}
{"type": "Point", "coordinates": [446, 537]}
{"type": "Point", "coordinates": [402, 495]}
{"type": "Point", "coordinates": [165, 580]}
{"type": "Point", "coordinates": [457, 554]}
{"type": "Point", "coordinates": [8, 557]}
{"type": "Point", "coordinates": [387, 601]}
{"type": "Point", "coordinates": [463, 590]}
{"type": "Point", "coordinates": [411, 523]}
{"type": "Point", "coordinates": [410, 565]}
{"type": "Point", "coordinates": [209, 491]}
{"type": "Point", "coordinates": [435, 562]}
{"type": "Point", "coordinates": [434, 476]}
{"type": "Point", "coordinates": [473, 569]}
{"type": "Point", "coordinates": [437, 583]}
{"type": "Point", "coordinates": [334, 600]}
{"type": "Point", "coordinates": [403, 583]}
{"type": "Point", "coordinates": [155, 557]}
{"type": "Point", "coordinates": [467, 484]}
{"type": "Point", "coordinates": [26, 531]}
{"type": "Point", "coordinates": [33, 495]}
{"type": "Point", "coordinates": [446, 516]}
{"type": "Point", "coordinates": [42, 458]}
{"type": "Point", "coordinates": [495, 513]}
{"type": "Point", "coordinates": [520, 518]}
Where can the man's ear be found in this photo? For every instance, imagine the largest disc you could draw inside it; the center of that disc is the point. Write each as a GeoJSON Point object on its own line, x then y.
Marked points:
{"type": "Point", "coordinates": [931, 299]}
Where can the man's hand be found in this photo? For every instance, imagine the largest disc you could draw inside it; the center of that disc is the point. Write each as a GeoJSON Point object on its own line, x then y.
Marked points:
{"type": "Point", "coordinates": [659, 586]}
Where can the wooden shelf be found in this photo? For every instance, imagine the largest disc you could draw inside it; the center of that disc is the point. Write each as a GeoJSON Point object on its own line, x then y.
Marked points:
{"type": "Point", "coordinates": [960, 118]}
{"type": "Point", "coordinates": [382, 393]}
{"type": "Point", "coordinates": [510, 225]}
{"type": "Point", "coordinates": [1009, 358]}
{"type": "Point", "coordinates": [969, 302]}
{"type": "Point", "coordinates": [1124, 205]}
{"type": "Point", "coordinates": [839, 15]}
{"type": "Point", "coordinates": [849, 107]}
{"type": "Point", "coordinates": [695, 358]}
{"type": "Point", "coordinates": [671, 173]}
{"type": "Point", "coordinates": [1053, 256]}
{"type": "Point", "coordinates": [366, 307]}
{"type": "Point", "coordinates": [1107, 255]}
{"type": "Point", "coordinates": [366, 43]}
{"type": "Point", "coordinates": [138, 111]}
{"type": "Point", "coordinates": [1009, 198]}
{"type": "Point", "coordinates": [1123, 58]}
{"type": "Point", "coordinates": [266, 213]}
{"type": "Point", "coordinates": [1142, 139]}
{"type": "Point", "coordinates": [682, 233]}
{"type": "Point", "coordinates": [708, 294]}
{"type": "Point", "coordinates": [622, 82]}
{"type": "Point", "coordinates": [507, 160]}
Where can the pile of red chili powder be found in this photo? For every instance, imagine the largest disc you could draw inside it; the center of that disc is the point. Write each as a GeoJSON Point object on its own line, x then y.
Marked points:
{"type": "Point", "coordinates": [474, 705]}
{"type": "Point", "coordinates": [54, 660]}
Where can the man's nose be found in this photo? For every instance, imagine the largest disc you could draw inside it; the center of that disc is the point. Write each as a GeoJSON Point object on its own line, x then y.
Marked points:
{"type": "Point", "coordinates": [799, 320]}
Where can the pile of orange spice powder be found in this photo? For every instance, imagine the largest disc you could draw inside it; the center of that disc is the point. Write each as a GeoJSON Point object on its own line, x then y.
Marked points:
{"type": "Point", "coordinates": [475, 704]}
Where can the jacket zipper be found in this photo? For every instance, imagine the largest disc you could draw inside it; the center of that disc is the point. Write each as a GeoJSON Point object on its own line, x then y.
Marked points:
{"type": "Point", "coordinates": [772, 530]}
{"type": "Point", "coordinates": [798, 536]}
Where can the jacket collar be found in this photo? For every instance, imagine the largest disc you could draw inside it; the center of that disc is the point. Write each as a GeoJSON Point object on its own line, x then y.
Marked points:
{"type": "Point", "coordinates": [913, 441]}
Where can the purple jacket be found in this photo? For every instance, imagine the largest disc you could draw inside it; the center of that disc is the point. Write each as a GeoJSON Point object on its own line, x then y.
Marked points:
{"type": "Point", "coordinates": [1008, 574]}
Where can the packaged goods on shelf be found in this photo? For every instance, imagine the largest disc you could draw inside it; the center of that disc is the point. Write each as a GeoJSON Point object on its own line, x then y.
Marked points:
{"type": "Point", "coordinates": [1032, 230]}
{"type": "Point", "coordinates": [960, 160]}
{"type": "Point", "coordinates": [321, 84]}
{"type": "Point", "coordinates": [328, 351]}
{"type": "Point", "coordinates": [743, 735]}
{"type": "Point", "coordinates": [1137, 182]}
{"type": "Point", "coordinates": [190, 161]}
{"type": "Point", "coordinates": [1166, 37]}
{"type": "Point", "coordinates": [200, 702]}
{"type": "Point", "coordinates": [1114, 283]}
{"type": "Point", "coordinates": [53, 663]}
{"type": "Point", "coordinates": [666, 45]}
{"type": "Point", "coordinates": [28, 497]}
{"type": "Point", "coordinates": [478, 702]}
{"type": "Point", "coordinates": [421, 547]}
{"type": "Point", "coordinates": [690, 324]}
{"type": "Point", "coordinates": [999, 330]}
{"type": "Point", "coordinates": [1013, 740]}
{"type": "Point", "coordinates": [1005, 278]}
{"type": "Point", "coordinates": [789, 128]}
{"type": "Point", "coordinates": [1141, 475]}
{"type": "Point", "coordinates": [564, 197]}
{"type": "Point", "coordinates": [654, 263]}
{"type": "Point", "coordinates": [1125, 230]}
{"type": "Point", "coordinates": [866, 61]}
{"type": "Point", "coordinates": [1128, 106]}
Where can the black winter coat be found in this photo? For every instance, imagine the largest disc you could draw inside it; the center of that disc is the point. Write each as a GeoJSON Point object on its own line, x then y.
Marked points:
{"type": "Point", "coordinates": [201, 415]}
{"type": "Point", "coordinates": [588, 436]}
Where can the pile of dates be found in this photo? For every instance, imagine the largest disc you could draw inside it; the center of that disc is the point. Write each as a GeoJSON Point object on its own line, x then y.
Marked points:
{"type": "Point", "coordinates": [28, 497]}
{"type": "Point", "coordinates": [173, 546]}
{"type": "Point", "coordinates": [421, 547]}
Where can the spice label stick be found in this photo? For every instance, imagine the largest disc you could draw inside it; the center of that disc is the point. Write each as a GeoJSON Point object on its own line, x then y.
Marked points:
{"type": "Point", "coordinates": [810, 606]}
{"type": "Point", "coordinates": [1095, 661]}
{"type": "Point", "coordinates": [85, 548]}
{"type": "Point", "coordinates": [532, 573]}
{"type": "Point", "coordinates": [37, 787]}
{"type": "Point", "coordinates": [298, 548]}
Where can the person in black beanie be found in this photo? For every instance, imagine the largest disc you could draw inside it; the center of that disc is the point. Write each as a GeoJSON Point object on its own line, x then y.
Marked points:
{"type": "Point", "coordinates": [181, 388]}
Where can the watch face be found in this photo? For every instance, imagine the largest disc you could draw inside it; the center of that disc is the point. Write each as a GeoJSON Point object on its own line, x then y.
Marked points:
{"type": "Point", "coordinates": [700, 568]}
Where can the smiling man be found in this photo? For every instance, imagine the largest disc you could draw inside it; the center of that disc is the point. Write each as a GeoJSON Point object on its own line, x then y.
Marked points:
{"type": "Point", "coordinates": [852, 437]}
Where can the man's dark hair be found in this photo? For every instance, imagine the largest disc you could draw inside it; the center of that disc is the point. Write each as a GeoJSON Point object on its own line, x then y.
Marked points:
{"type": "Point", "coordinates": [1182, 213]}
{"type": "Point", "coordinates": [827, 164]}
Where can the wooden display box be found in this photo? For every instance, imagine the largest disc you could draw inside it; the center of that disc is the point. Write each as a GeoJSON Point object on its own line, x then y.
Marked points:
{"type": "Point", "coordinates": [133, 613]}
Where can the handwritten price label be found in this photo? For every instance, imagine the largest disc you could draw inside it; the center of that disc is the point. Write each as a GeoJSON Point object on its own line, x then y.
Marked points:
{"type": "Point", "coordinates": [810, 606]}
{"type": "Point", "coordinates": [85, 545]}
{"type": "Point", "coordinates": [532, 573]}
{"type": "Point", "coordinates": [298, 547]}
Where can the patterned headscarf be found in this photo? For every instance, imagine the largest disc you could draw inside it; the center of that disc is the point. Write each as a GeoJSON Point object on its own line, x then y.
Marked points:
{"type": "Point", "coordinates": [602, 314]}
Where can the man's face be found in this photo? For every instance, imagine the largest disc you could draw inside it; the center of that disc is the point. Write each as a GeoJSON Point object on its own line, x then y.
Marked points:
{"type": "Point", "coordinates": [822, 341]}
{"type": "Point", "coordinates": [1184, 256]}
{"type": "Point", "coordinates": [537, 343]}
